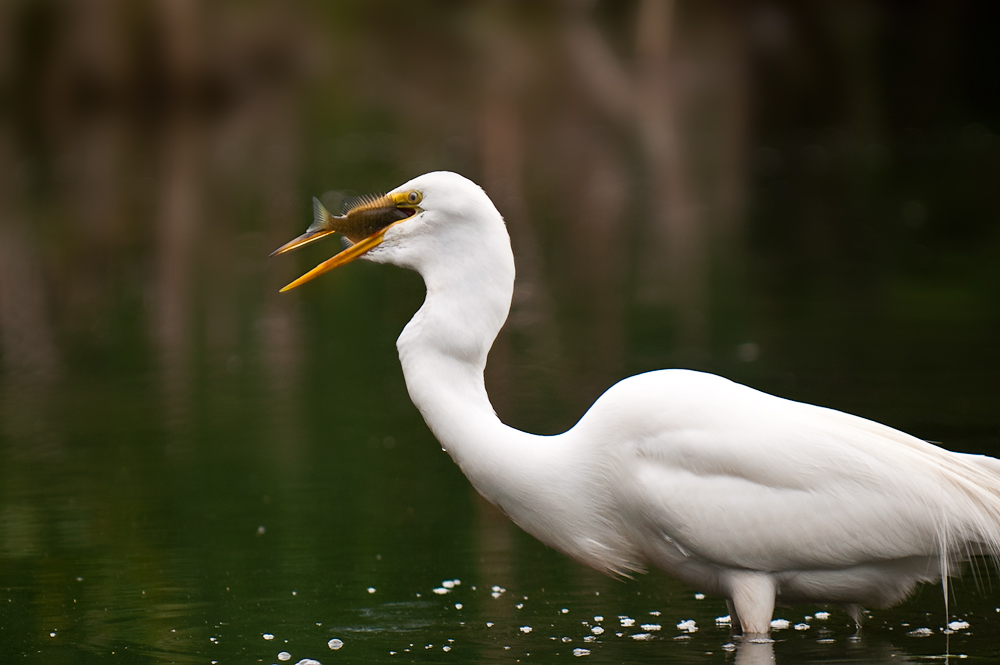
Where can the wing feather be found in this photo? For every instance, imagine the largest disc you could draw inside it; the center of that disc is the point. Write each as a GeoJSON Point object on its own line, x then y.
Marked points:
{"type": "Point", "coordinates": [740, 478]}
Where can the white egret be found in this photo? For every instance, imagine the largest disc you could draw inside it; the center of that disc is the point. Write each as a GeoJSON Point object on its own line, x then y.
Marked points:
{"type": "Point", "coordinates": [733, 491]}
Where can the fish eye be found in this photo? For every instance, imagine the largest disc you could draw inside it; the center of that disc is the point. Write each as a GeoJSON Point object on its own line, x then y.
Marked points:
{"type": "Point", "coordinates": [413, 197]}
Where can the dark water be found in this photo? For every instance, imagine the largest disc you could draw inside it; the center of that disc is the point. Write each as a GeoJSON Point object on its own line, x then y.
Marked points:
{"type": "Point", "coordinates": [190, 462]}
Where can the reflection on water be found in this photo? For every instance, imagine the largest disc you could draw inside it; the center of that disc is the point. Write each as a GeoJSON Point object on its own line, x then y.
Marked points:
{"type": "Point", "coordinates": [190, 461]}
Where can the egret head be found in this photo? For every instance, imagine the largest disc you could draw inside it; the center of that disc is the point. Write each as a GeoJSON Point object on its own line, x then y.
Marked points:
{"type": "Point", "coordinates": [406, 227]}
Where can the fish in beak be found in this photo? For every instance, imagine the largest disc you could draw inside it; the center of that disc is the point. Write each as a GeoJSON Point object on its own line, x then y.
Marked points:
{"type": "Point", "coordinates": [363, 223]}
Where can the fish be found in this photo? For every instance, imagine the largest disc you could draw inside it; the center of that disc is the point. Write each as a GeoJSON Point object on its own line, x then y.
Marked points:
{"type": "Point", "coordinates": [362, 218]}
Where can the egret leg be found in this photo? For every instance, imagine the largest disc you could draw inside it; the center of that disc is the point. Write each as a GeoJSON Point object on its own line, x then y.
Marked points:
{"type": "Point", "coordinates": [734, 618]}
{"type": "Point", "coordinates": [753, 599]}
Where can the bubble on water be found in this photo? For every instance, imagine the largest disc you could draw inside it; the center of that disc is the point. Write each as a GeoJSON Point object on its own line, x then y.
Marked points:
{"type": "Point", "coordinates": [699, 596]}
{"type": "Point", "coordinates": [519, 606]}
{"type": "Point", "coordinates": [268, 636]}
{"type": "Point", "coordinates": [597, 630]}
{"type": "Point", "coordinates": [284, 655]}
{"type": "Point", "coordinates": [724, 621]}
{"type": "Point", "coordinates": [801, 626]}
{"type": "Point", "coordinates": [642, 637]}
{"type": "Point", "coordinates": [598, 618]}
{"type": "Point", "coordinates": [564, 611]}
{"type": "Point", "coordinates": [650, 626]}
{"type": "Point", "coordinates": [446, 648]}
{"type": "Point", "coordinates": [308, 661]}
{"type": "Point", "coordinates": [441, 591]}
{"type": "Point", "coordinates": [655, 613]}
{"type": "Point", "coordinates": [335, 644]}
{"type": "Point", "coordinates": [626, 622]}
{"type": "Point", "coordinates": [53, 633]}
{"type": "Point", "coordinates": [581, 652]}
{"type": "Point", "coordinates": [525, 629]}
{"type": "Point", "coordinates": [958, 625]}
{"type": "Point", "coordinates": [921, 632]}
{"type": "Point", "coordinates": [497, 589]}
{"type": "Point", "coordinates": [589, 638]}
{"type": "Point", "coordinates": [822, 616]}
{"type": "Point", "coordinates": [688, 626]}
{"type": "Point", "coordinates": [371, 589]}
{"type": "Point", "coordinates": [780, 624]}
{"type": "Point", "coordinates": [458, 606]}
{"type": "Point", "coordinates": [489, 624]}
{"type": "Point", "coordinates": [565, 640]}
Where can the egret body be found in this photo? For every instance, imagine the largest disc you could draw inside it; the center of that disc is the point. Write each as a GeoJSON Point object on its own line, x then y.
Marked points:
{"type": "Point", "coordinates": [733, 491]}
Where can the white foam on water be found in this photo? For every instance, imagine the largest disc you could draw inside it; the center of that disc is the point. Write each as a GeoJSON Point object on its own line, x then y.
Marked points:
{"type": "Point", "coordinates": [688, 626]}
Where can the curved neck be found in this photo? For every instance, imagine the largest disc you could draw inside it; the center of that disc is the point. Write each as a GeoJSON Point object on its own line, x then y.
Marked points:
{"type": "Point", "coordinates": [533, 479]}
{"type": "Point", "coordinates": [443, 352]}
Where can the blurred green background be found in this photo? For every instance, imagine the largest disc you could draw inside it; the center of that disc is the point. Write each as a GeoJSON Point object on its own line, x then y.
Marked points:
{"type": "Point", "coordinates": [802, 197]}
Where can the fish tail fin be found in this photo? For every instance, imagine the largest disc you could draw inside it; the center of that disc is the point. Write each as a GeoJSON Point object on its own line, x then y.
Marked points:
{"type": "Point", "coordinates": [320, 216]}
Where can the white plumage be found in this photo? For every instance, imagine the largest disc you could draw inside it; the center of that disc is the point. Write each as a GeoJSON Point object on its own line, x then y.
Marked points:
{"type": "Point", "coordinates": [733, 491]}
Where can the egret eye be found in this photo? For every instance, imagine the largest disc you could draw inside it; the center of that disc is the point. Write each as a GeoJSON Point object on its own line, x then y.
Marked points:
{"type": "Point", "coordinates": [413, 197]}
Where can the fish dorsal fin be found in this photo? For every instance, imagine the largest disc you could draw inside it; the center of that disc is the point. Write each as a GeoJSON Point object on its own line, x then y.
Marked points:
{"type": "Point", "coordinates": [354, 204]}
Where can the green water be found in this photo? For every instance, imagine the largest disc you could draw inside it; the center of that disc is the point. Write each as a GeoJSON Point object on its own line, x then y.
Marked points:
{"type": "Point", "coordinates": [179, 513]}
{"type": "Point", "coordinates": [191, 462]}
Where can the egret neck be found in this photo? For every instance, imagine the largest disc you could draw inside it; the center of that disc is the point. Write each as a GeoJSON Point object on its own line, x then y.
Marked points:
{"type": "Point", "coordinates": [443, 352]}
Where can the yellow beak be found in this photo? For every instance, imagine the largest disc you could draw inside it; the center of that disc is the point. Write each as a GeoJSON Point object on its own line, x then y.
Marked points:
{"type": "Point", "coordinates": [301, 241]}
{"type": "Point", "coordinates": [346, 256]}
{"type": "Point", "coordinates": [369, 213]}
